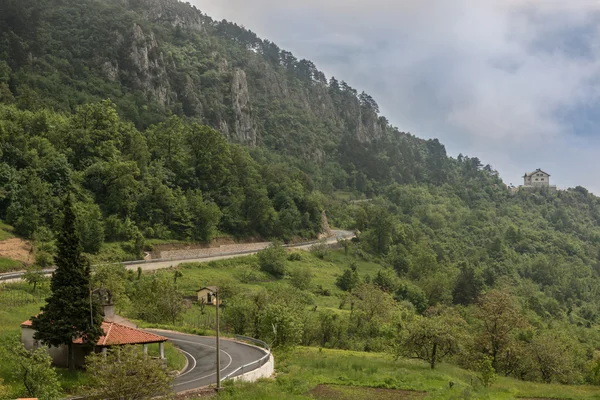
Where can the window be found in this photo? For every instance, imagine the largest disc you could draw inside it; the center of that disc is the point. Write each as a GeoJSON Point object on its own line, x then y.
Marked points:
{"type": "Point", "coordinates": [536, 179]}
{"type": "Point", "coordinates": [542, 178]}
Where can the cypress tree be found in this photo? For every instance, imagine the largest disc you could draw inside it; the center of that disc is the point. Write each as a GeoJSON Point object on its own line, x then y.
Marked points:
{"type": "Point", "coordinates": [68, 314]}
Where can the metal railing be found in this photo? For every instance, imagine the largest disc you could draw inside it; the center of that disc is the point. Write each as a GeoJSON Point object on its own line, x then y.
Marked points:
{"type": "Point", "coordinates": [262, 361]}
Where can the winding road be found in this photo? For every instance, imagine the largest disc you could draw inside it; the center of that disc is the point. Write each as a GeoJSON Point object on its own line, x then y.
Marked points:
{"type": "Point", "coordinates": [200, 352]}
{"type": "Point", "coordinates": [152, 265]}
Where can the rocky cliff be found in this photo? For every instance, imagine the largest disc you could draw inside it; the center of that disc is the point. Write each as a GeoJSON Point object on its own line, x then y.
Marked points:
{"type": "Point", "coordinates": [163, 56]}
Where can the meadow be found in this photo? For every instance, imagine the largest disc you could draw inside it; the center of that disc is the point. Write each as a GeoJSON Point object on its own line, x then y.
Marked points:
{"type": "Point", "coordinates": [313, 373]}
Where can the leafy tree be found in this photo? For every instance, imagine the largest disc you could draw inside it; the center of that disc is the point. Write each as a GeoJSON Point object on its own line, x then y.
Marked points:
{"type": "Point", "coordinates": [300, 277]}
{"type": "Point", "coordinates": [127, 373]}
{"type": "Point", "coordinates": [468, 285]}
{"type": "Point", "coordinates": [32, 369]}
{"type": "Point", "coordinates": [91, 228]}
{"type": "Point", "coordinates": [66, 315]}
{"type": "Point", "coordinates": [114, 278]}
{"type": "Point", "coordinates": [205, 217]}
{"type": "Point", "coordinates": [413, 294]}
{"type": "Point", "coordinates": [280, 326]}
{"type": "Point", "coordinates": [553, 354]}
{"type": "Point", "coordinates": [35, 276]}
{"type": "Point", "coordinates": [432, 338]}
{"type": "Point", "coordinates": [349, 279]}
{"type": "Point", "coordinates": [500, 318]}
{"type": "Point", "coordinates": [386, 280]}
{"type": "Point", "coordinates": [273, 260]}
{"type": "Point", "coordinates": [157, 299]}
{"type": "Point", "coordinates": [321, 249]}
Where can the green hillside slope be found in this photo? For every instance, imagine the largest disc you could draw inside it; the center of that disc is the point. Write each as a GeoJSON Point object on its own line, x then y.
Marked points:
{"type": "Point", "coordinates": [168, 125]}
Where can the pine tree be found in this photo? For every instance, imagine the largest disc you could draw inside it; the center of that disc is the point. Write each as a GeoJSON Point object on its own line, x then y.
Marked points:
{"type": "Point", "coordinates": [67, 315]}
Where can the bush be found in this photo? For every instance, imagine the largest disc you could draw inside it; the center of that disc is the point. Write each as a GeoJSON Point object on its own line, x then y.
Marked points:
{"type": "Point", "coordinates": [321, 249]}
{"type": "Point", "coordinates": [295, 257]}
{"type": "Point", "coordinates": [300, 278]}
{"type": "Point", "coordinates": [272, 260]}
{"type": "Point", "coordinates": [249, 274]}
{"type": "Point", "coordinates": [349, 279]}
{"type": "Point", "coordinates": [487, 373]}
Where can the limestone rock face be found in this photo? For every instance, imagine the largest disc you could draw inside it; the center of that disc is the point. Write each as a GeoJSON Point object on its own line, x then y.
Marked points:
{"type": "Point", "coordinates": [243, 130]}
{"type": "Point", "coordinates": [369, 127]}
{"type": "Point", "coordinates": [111, 70]}
{"type": "Point", "coordinates": [149, 72]}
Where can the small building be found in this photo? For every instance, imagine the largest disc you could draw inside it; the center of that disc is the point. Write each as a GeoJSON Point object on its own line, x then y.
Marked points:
{"type": "Point", "coordinates": [118, 331]}
{"type": "Point", "coordinates": [537, 178]}
{"type": "Point", "coordinates": [207, 295]}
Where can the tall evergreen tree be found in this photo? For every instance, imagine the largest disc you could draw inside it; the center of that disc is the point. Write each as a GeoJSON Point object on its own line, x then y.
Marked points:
{"type": "Point", "coordinates": [68, 314]}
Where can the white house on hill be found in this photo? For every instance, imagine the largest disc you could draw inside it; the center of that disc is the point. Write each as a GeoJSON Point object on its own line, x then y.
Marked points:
{"type": "Point", "coordinates": [537, 178]}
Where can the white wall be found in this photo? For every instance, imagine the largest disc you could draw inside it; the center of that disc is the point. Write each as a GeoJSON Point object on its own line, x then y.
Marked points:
{"type": "Point", "coordinates": [266, 371]}
{"type": "Point", "coordinates": [531, 181]}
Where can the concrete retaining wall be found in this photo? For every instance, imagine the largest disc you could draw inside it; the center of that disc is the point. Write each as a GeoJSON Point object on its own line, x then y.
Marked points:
{"type": "Point", "coordinates": [266, 371]}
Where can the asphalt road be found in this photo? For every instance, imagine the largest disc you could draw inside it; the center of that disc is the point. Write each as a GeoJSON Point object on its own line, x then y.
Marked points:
{"type": "Point", "coordinates": [162, 264]}
{"type": "Point", "coordinates": [201, 354]}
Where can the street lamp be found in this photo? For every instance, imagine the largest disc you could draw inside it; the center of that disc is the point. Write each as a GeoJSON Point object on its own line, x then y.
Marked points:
{"type": "Point", "coordinates": [218, 344]}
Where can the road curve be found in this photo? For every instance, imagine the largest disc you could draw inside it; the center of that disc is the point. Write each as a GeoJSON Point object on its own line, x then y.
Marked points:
{"type": "Point", "coordinates": [152, 265]}
{"type": "Point", "coordinates": [200, 352]}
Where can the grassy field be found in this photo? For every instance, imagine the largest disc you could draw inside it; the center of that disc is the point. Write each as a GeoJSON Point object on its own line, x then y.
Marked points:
{"type": "Point", "coordinates": [244, 273]}
{"type": "Point", "coordinates": [7, 265]}
{"type": "Point", "coordinates": [6, 231]}
{"type": "Point", "coordinates": [310, 373]}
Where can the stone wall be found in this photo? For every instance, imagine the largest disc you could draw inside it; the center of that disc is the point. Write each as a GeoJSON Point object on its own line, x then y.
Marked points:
{"type": "Point", "coordinates": [213, 251]}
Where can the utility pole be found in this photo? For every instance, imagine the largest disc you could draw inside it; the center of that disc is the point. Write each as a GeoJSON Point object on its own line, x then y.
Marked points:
{"type": "Point", "coordinates": [218, 344]}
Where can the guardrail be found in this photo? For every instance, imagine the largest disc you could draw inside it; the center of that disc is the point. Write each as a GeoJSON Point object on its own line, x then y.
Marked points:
{"type": "Point", "coordinates": [262, 361]}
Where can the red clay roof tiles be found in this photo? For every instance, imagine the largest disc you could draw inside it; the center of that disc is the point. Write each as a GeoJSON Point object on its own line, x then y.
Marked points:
{"type": "Point", "coordinates": [116, 334]}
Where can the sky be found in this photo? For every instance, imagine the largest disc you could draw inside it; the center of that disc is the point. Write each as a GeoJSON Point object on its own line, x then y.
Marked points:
{"type": "Point", "coordinates": [513, 82]}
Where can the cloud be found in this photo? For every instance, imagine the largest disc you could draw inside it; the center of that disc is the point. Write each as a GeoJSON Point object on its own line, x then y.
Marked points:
{"type": "Point", "coordinates": [514, 82]}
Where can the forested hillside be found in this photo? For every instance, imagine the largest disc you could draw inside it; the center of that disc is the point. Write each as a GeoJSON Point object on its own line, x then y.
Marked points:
{"type": "Point", "coordinates": [169, 125]}
{"type": "Point", "coordinates": [148, 161]}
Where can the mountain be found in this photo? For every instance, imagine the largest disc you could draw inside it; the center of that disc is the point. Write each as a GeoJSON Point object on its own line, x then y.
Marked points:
{"type": "Point", "coordinates": [154, 58]}
{"type": "Point", "coordinates": [169, 126]}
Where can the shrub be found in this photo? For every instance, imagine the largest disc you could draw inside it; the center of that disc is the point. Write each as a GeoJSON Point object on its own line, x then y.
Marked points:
{"type": "Point", "coordinates": [272, 260]}
{"type": "Point", "coordinates": [349, 279]}
{"type": "Point", "coordinates": [321, 249]}
{"type": "Point", "coordinates": [487, 373]}
{"type": "Point", "coordinates": [300, 278]}
{"type": "Point", "coordinates": [295, 257]}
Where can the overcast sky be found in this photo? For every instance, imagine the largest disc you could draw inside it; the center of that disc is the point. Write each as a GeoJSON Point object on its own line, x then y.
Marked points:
{"type": "Point", "coordinates": [513, 82]}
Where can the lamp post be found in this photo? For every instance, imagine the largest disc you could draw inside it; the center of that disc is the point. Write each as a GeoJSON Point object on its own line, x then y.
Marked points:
{"type": "Point", "coordinates": [218, 344]}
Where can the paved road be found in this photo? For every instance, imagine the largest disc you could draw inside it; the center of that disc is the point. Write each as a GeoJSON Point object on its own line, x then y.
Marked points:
{"type": "Point", "coordinates": [162, 264]}
{"type": "Point", "coordinates": [201, 354]}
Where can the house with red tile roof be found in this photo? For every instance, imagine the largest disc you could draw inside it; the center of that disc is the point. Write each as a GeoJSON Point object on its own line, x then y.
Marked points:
{"type": "Point", "coordinates": [115, 334]}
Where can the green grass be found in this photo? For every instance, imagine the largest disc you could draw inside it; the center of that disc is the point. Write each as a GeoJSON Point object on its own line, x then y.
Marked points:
{"type": "Point", "coordinates": [6, 231]}
{"type": "Point", "coordinates": [7, 265]}
{"type": "Point", "coordinates": [324, 274]}
{"type": "Point", "coordinates": [300, 371]}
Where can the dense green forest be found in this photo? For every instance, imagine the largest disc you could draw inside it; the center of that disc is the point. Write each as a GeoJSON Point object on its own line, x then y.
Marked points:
{"type": "Point", "coordinates": [166, 124]}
